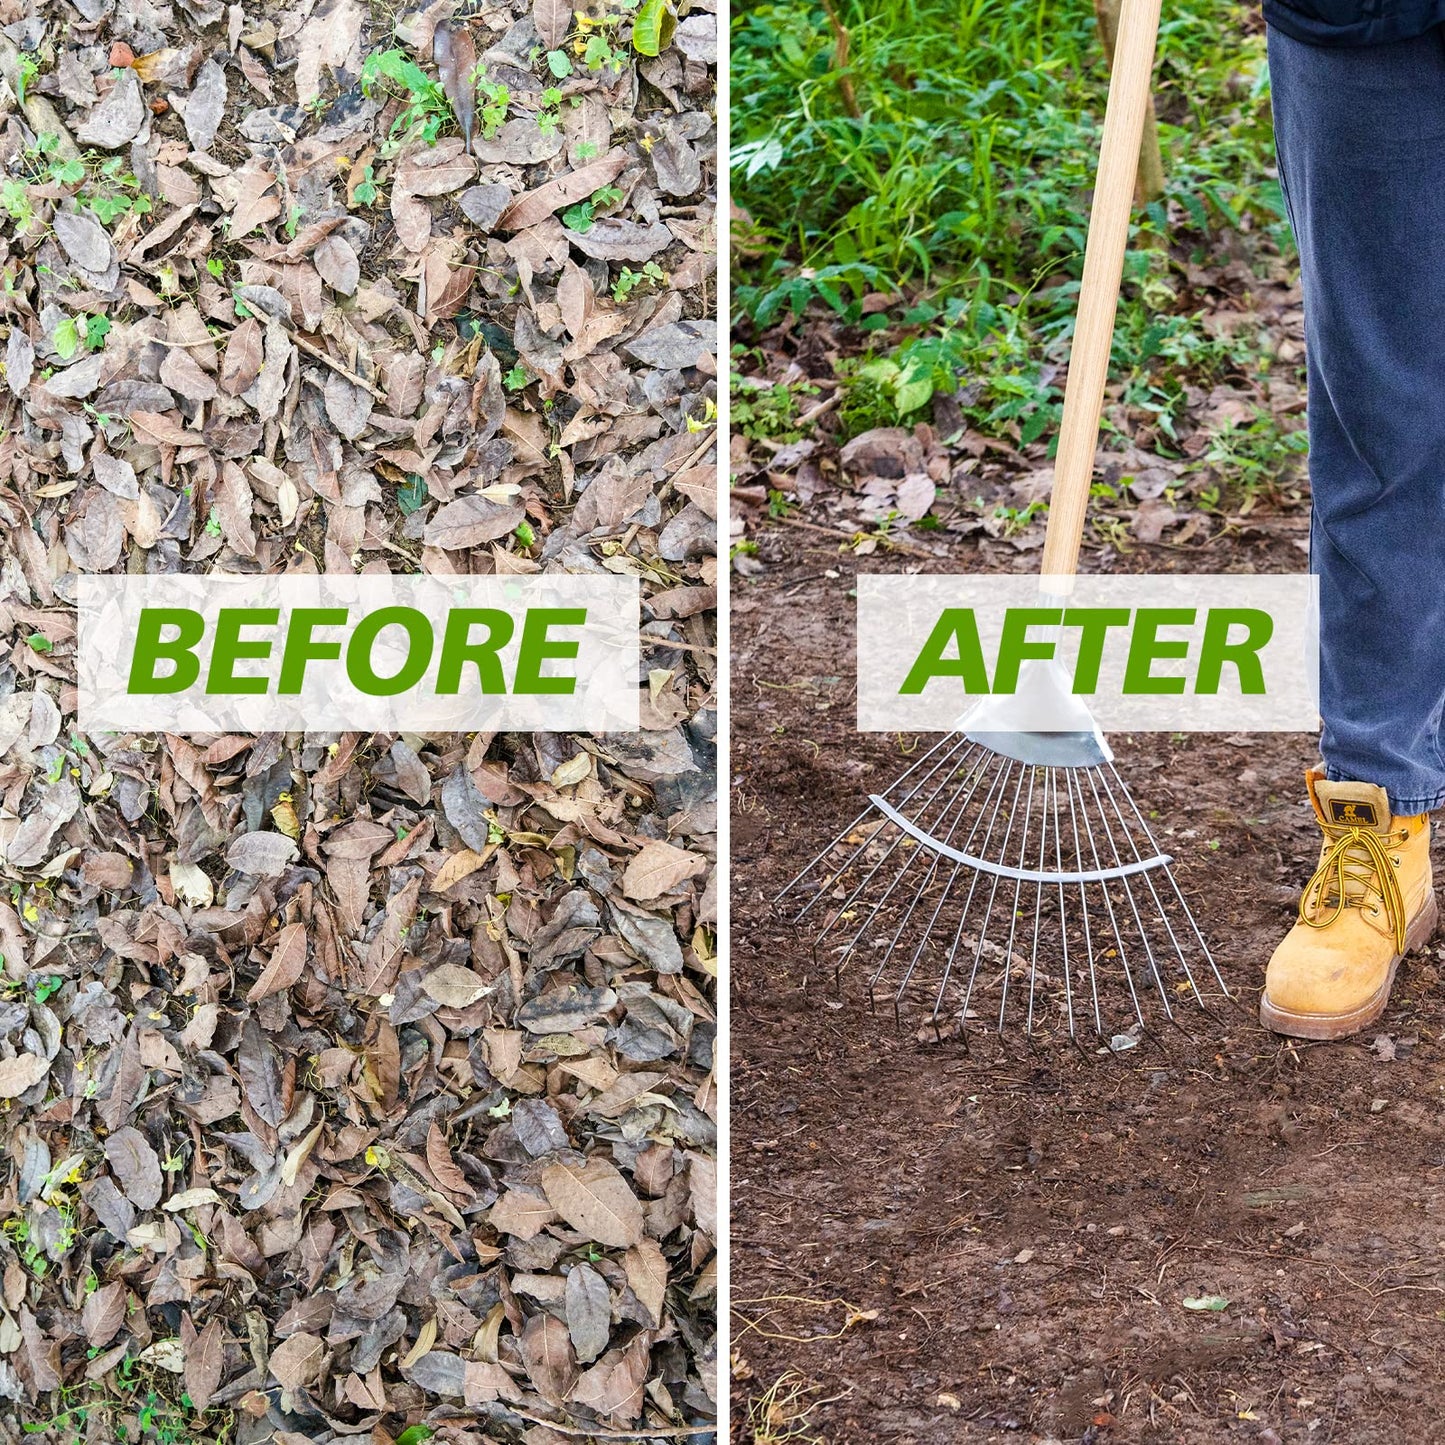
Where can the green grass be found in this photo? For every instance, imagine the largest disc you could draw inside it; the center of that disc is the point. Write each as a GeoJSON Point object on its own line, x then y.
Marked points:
{"type": "Point", "coordinates": [960, 190]}
{"type": "Point", "coordinates": [976, 138]}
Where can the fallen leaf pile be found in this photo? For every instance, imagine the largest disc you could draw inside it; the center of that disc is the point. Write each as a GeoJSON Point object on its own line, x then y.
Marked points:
{"type": "Point", "coordinates": [822, 441]}
{"type": "Point", "coordinates": [357, 1085]}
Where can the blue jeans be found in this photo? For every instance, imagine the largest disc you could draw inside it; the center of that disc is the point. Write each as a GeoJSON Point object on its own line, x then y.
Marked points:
{"type": "Point", "coordinates": [1360, 133]}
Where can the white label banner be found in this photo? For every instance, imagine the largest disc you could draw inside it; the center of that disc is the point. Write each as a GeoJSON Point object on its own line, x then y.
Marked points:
{"type": "Point", "coordinates": [1226, 653]}
{"type": "Point", "coordinates": [374, 653]}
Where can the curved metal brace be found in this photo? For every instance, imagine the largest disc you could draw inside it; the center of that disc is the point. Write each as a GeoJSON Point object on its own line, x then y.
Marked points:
{"type": "Point", "coordinates": [1026, 875]}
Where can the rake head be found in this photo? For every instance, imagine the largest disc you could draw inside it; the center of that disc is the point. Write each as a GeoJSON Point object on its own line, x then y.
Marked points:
{"type": "Point", "coordinates": [1004, 872]}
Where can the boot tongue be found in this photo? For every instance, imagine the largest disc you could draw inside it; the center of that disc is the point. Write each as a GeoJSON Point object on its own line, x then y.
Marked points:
{"type": "Point", "coordinates": [1351, 805]}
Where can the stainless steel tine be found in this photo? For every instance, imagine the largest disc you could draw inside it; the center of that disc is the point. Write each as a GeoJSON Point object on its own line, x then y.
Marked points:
{"type": "Point", "coordinates": [1013, 918]}
{"type": "Point", "coordinates": [1174, 884]}
{"type": "Point", "coordinates": [798, 877]}
{"type": "Point", "coordinates": [1113, 921]}
{"type": "Point", "coordinates": [1079, 867]}
{"type": "Point", "coordinates": [999, 773]}
{"type": "Point", "coordinates": [953, 812]}
{"type": "Point", "coordinates": [1039, 907]}
{"type": "Point", "coordinates": [1153, 892]}
{"type": "Point", "coordinates": [1004, 776]}
{"type": "Point", "coordinates": [993, 891]}
{"type": "Point", "coordinates": [1129, 894]}
{"type": "Point", "coordinates": [1063, 914]}
{"type": "Point", "coordinates": [898, 878]}
{"type": "Point", "coordinates": [868, 877]}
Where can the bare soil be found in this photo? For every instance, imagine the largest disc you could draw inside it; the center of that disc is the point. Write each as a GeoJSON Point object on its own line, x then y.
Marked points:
{"type": "Point", "coordinates": [989, 1239]}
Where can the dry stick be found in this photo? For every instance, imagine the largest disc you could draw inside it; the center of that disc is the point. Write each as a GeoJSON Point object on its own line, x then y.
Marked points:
{"type": "Point", "coordinates": [316, 353]}
{"type": "Point", "coordinates": [840, 62]}
{"type": "Point", "coordinates": [1150, 185]}
{"type": "Point", "coordinates": [593, 1434]}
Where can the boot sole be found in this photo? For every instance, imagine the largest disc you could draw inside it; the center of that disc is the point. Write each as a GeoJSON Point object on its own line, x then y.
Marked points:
{"type": "Point", "coordinates": [1339, 1026]}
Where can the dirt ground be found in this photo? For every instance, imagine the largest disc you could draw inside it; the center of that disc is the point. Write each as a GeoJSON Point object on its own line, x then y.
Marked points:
{"type": "Point", "coordinates": [987, 1239]}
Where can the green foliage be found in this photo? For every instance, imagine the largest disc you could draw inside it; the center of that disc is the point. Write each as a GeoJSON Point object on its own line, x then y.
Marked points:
{"type": "Point", "coordinates": [760, 410]}
{"type": "Point", "coordinates": [629, 280]}
{"type": "Point", "coordinates": [1259, 457]}
{"type": "Point", "coordinates": [953, 161]}
{"type": "Point", "coordinates": [654, 27]}
{"type": "Point", "coordinates": [582, 217]}
{"type": "Point", "coordinates": [493, 110]}
{"type": "Point", "coordinates": [974, 148]}
{"type": "Point", "coordinates": [395, 72]}
{"type": "Point", "coordinates": [516, 378]}
{"type": "Point", "coordinates": [412, 497]}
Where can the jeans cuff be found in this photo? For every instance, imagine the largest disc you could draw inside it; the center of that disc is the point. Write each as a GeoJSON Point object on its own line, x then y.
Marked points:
{"type": "Point", "coordinates": [1400, 807]}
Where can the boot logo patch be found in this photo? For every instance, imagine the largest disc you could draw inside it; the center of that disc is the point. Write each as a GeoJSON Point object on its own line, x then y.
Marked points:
{"type": "Point", "coordinates": [1353, 815]}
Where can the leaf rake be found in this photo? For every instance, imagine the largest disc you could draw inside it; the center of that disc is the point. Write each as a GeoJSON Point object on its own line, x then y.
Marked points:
{"type": "Point", "coordinates": [1009, 863]}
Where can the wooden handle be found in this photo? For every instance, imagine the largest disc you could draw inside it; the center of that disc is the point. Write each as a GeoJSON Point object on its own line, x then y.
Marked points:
{"type": "Point", "coordinates": [1099, 293]}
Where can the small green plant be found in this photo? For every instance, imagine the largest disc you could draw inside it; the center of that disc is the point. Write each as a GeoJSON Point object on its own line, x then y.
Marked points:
{"type": "Point", "coordinates": [213, 522]}
{"type": "Point", "coordinates": [583, 216]}
{"type": "Point", "coordinates": [630, 280]}
{"type": "Point", "coordinates": [426, 108]}
{"type": "Point", "coordinates": [524, 534]}
{"type": "Point", "coordinates": [516, 378]}
{"type": "Point", "coordinates": [76, 331]}
{"type": "Point", "coordinates": [365, 191]}
{"type": "Point", "coordinates": [597, 54]}
{"type": "Point", "coordinates": [413, 496]}
{"type": "Point", "coordinates": [1259, 457]}
{"type": "Point", "coordinates": [767, 412]}
{"type": "Point", "coordinates": [495, 100]}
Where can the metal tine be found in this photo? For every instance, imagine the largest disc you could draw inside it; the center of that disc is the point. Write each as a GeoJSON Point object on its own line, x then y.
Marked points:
{"type": "Point", "coordinates": [909, 911]}
{"type": "Point", "coordinates": [1113, 921]}
{"type": "Point", "coordinates": [1039, 908]}
{"type": "Point", "coordinates": [1013, 918]}
{"type": "Point", "coordinates": [959, 814]}
{"type": "Point", "coordinates": [869, 876]}
{"type": "Point", "coordinates": [1063, 911]}
{"type": "Point", "coordinates": [1000, 773]}
{"type": "Point", "coordinates": [1154, 893]}
{"type": "Point", "coordinates": [968, 902]}
{"type": "Point", "coordinates": [963, 745]}
{"type": "Point", "coordinates": [992, 894]}
{"type": "Point", "coordinates": [1084, 905]}
{"type": "Point", "coordinates": [898, 878]}
{"type": "Point", "coordinates": [1133, 902]}
{"type": "Point", "coordinates": [798, 878]}
{"type": "Point", "coordinates": [1174, 883]}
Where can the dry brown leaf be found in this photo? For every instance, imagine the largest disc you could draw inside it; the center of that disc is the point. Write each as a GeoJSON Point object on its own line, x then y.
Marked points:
{"type": "Point", "coordinates": [521, 1213]}
{"type": "Point", "coordinates": [288, 959]}
{"type": "Point", "coordinates": [470, 522]}
{"type": "Point", "coordinates": [21, 1073]}
{"type": "Point", "coordinates": [453, 986]}
{"type": "Point", "coordinates": [549, 1357]}
{"type": "Point", "coordinates": [136, 1165]}
{"type": "Point", "coordinates": [296, 1362]}
{"type": "Point", "coordinates": [204, 1363]}
{"type": "Point", "coordinates": [646, 1267]}
{"type": "Point", "coordinates": [553, 19]}
{"type": "Point", "coordinates": [658, 868]}
{"type": "Point", "coordinates": [534, 206]}
{"type": "Point", "coordinates": [595, 1200]}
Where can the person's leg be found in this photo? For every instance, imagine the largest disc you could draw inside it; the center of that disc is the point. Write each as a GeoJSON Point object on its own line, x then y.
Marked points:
{"type": "Point", "coordinates": [1360, 133]}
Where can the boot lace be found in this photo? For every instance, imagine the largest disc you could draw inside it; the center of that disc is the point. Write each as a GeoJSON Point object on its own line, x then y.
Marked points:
{"type": "Point", "coordinates": [1355, 866]}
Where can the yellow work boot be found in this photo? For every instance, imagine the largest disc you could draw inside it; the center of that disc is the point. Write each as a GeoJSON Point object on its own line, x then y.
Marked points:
{"type": "Point", "coordinates": [1369, 903]}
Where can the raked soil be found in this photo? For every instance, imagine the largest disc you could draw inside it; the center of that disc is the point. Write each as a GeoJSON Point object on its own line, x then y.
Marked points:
{"type": "Point", "coordinates": [987, 1238]}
